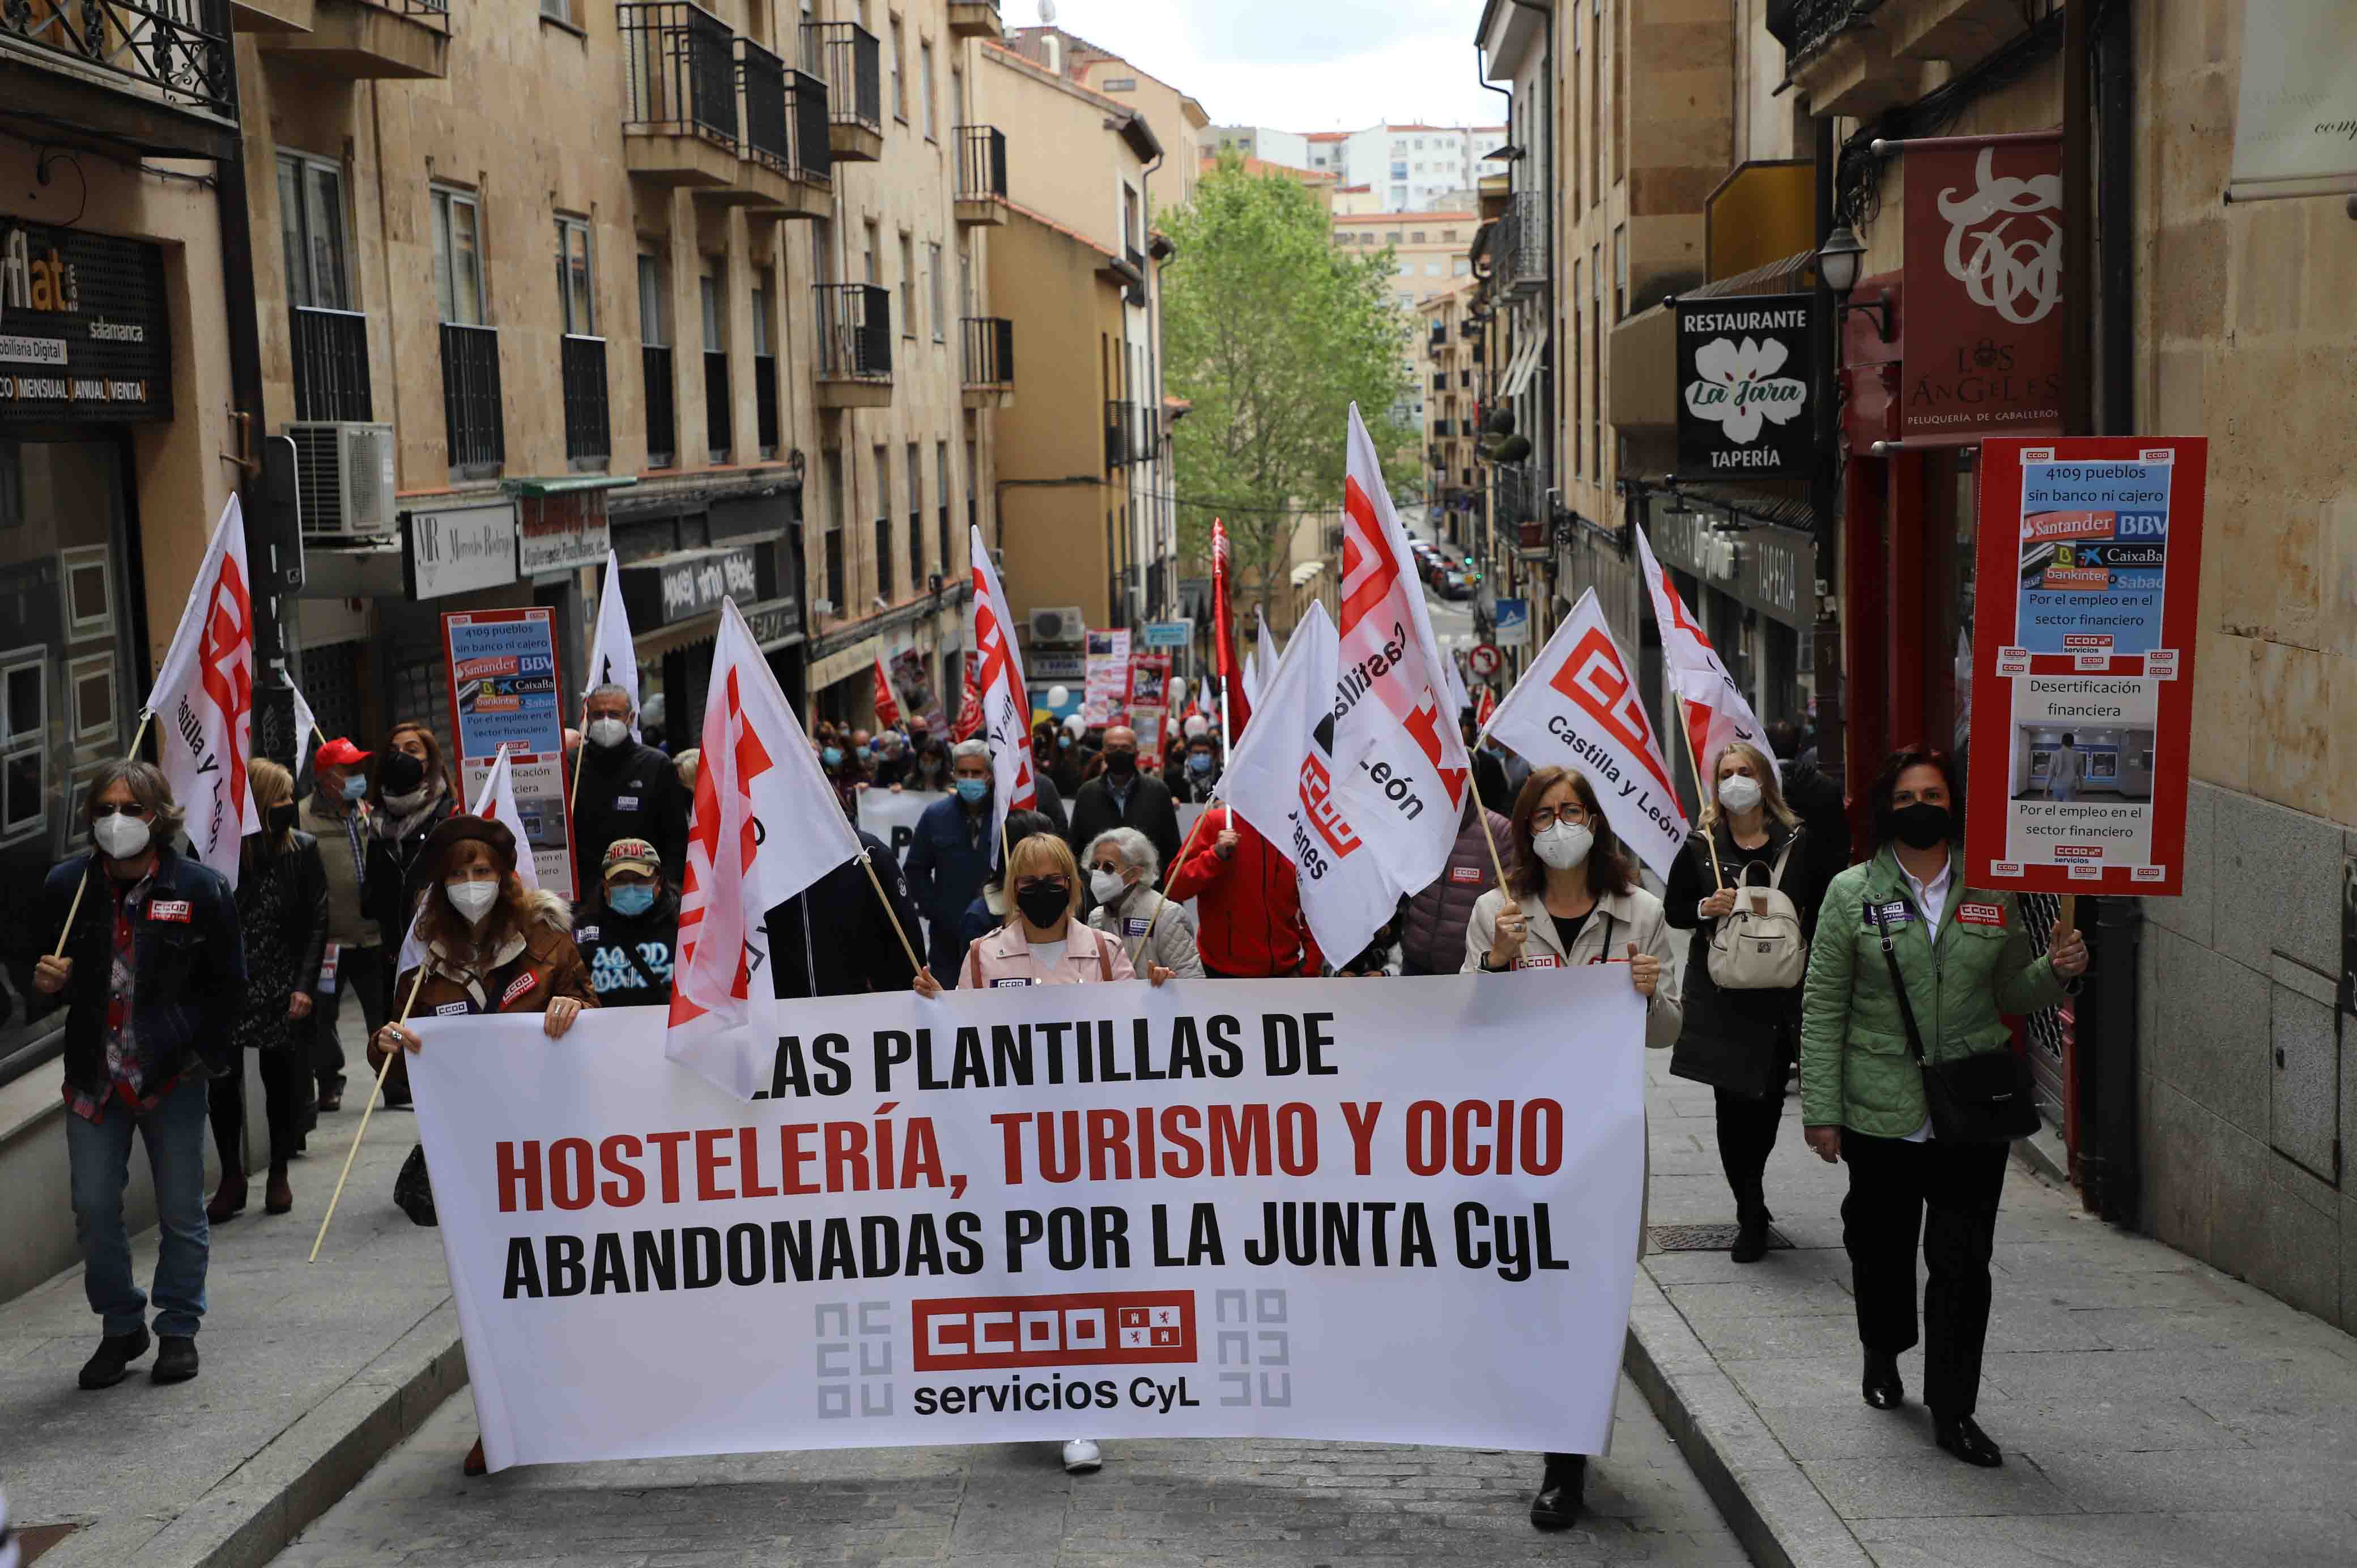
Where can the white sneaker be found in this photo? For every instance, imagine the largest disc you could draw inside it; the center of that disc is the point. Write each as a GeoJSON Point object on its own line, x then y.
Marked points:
{"type": "Point", "coordinates": [1080, 1457]}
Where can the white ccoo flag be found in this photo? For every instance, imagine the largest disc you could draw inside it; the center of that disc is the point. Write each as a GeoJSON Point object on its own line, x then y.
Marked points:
{"type": "Point", "coordinates": [1712, 709]}
{"type": "Point", "coordinates": [1281, 780]}
{"type": "Point", "coordinates": [1006, 700]}
{"type": "Point", "coordinates": [1402, 774]}
{"type": "Point", "coordinates": [613, 655]}
{"type": "Point", "coordinates": [203, 702]}
{"type": "Point", "coordinates": [767, 825]}
{"type": "Point", "coordinates": [307, 737]}
{"type": "Point", "coordinates": [1578, 707]}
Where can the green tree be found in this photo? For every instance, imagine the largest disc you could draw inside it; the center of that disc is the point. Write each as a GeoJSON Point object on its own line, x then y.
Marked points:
{"type": "Point", "coordinates": [1272, 333]}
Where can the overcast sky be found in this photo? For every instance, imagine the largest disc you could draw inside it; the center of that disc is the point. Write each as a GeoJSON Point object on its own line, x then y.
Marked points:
{"type": "Point", "coordinates": [1297, 65]}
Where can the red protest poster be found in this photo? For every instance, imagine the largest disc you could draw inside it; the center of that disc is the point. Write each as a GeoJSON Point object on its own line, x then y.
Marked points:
{"type": "Point", "coordinates": [1983, 350]}
{"type": "Point", "coordinates": [2084, 622]}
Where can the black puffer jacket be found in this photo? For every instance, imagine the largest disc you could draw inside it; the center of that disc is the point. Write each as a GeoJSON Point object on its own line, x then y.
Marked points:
{"type": "Point", "coordinates": [1432, 941]}
{"type": "Point", "coordinates": [1739, 1040]}
{"type": "Point", "coordinates": [833, 939]}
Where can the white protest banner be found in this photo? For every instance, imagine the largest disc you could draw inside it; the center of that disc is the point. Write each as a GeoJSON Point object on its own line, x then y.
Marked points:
{"type": "Point", "coordinates": [1213, 1209]}
{"type": "Point", "coordinates": [203, 699]}
{"type": "Point", "coordinates": [1281, 782]}
{"type": "Point", "coordinates": [1404, 773]}
{"type": "Point", "coordinates": [1577, 706]}
{"type": "Point", "coordinates": [892, 815]}
{"type": "Point", "coordinates": [1714, 710]}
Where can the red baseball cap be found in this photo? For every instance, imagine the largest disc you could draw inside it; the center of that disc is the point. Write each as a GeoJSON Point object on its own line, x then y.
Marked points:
{"type": "Point", "coordinates": [340, 753]}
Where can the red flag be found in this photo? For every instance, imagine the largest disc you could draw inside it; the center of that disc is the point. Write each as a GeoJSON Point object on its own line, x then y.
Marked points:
{"type": "Point", "coordinates": [969, 715]}
{"type": "Point", "coordinates": [887, 707]}
{"type": "Point", "coordinates": [1223, 636]}
{"type": "Point", "coordinates": [1489, 704]}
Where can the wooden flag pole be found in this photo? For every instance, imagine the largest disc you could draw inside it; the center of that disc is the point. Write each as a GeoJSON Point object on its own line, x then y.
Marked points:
{"type": "Point", "coordinates": [890, 913]}
{"type": "Point", "coordinates": [83, 886]}
{"type": "Point", "coordinates": [1707, 800]}
{"type": "Point", "coordinates": [571, 793]}
{"type": "Point", "coordinates": [1492, 840]}
{"type": "Point", "coordinates": [376, 1092]}
{"type": "Point", "coordinates": [2070, 916]}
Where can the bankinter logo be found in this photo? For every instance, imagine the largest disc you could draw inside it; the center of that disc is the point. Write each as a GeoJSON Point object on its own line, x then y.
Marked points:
{"type": "Point", "coordinates": [1109, 1329]}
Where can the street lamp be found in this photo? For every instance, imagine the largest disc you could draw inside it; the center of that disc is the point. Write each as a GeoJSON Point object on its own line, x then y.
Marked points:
{"type": "Point", "coordinates": [1838, 261]}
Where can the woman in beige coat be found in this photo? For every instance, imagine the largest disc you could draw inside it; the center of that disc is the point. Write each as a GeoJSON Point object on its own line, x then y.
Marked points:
{"type": "Point", "coordinates": [1123, 869]}
{"type": "Point", "coordinates": [1571, 898]}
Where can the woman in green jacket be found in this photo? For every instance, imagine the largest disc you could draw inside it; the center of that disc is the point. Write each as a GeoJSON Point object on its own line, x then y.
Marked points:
{"type": "Point", "coordinates": [1966, 961]}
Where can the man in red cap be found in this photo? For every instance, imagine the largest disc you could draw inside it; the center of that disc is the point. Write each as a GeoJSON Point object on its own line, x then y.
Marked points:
{"type": "Point", "coordinates": [337, 815]}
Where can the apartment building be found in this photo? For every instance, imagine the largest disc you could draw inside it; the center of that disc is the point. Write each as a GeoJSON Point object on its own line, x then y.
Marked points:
{"type": "Point", "coordinates": [1088, 531]}
{"type": "Point", "coordinates": [1428, 248]}
{"type": "Point", "coordinates": [1410, 167]}
{"type": "Point", "coordinates": [743, 371]}
{"type": "Point", "coordinates": [1179, 121]}
{"type": "Point", "coordinates": [1451, 350]}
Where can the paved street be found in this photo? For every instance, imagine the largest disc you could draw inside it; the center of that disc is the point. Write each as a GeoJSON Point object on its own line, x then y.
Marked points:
{"type": "Point", "coordinates": [1155, 1505]}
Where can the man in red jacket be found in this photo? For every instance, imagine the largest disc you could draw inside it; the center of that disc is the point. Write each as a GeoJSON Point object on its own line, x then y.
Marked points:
{"type": "Point", "coordinates": [1247, 902]}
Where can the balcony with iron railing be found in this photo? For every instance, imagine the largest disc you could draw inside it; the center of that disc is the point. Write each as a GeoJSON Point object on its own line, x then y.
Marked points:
{"type": "Point", "coordinates": [588, 426]}
{"type": "Point", "coordinates": [846, 57]}
{"type": "Point", "coordinates": [1519, 249]}
{"type": "Point", "coordinates": [662, 417]}
{"type": "Point", "coordinates": [331, 365]}
{"type": "Point", "coordinates": [148, 76]}
{"type": "Point", "coordinates": [854, 344]}
{"type": "Point", "coordinates": [1121, 433]}
{"type": "Point", "coordinates": [473, 422]}
{"type": "Point", "coordinates": [1520, 495]}
{"type": "Point", "coordinates": [791, 172]}
{"type": "Point", "coordinates": [986, 362]}
{"type": "Point", "coordinates": [981, 176]}
{"type": "Point", "coordinates": [974, 19]}
{"type": "Point", "coordinates": [1858, 58]}
{"type": "Point", "coordinates": [361, 40]}
{"type": "Point", "coordinates": [679, 123]}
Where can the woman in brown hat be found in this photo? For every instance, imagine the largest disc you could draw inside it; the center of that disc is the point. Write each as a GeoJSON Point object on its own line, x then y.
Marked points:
{"type": "Point", "coordinates": [493, 945]}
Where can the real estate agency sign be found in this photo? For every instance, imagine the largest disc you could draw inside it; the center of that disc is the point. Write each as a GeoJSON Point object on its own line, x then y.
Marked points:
{"type": "Point", "coordinates": [1983, 345]}
{"type": "Point", "coordinates": [2090, 567]}
{"type": "Point", "coordinates": [1743, 388]}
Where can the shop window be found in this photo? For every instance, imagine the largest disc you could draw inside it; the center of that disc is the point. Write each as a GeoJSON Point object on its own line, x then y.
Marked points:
{"type": "Point", "coordinates": [89, 588]}
{"type": "Point", "coordinates": [24, 721]}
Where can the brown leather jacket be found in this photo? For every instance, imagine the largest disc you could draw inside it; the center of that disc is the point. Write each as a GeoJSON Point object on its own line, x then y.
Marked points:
{"type": "Point", "coordinates": [530, 971]}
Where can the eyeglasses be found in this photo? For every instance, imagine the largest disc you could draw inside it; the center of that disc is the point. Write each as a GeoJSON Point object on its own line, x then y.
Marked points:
{"type": "Point", "coordinates": [1109, 868]}
{"type": "Point", "coordinates": [1030, 884]}
{"type": "Point", "coordinates": [109, 808]}
{"type": "Point", "coordinates": [1546, 817]}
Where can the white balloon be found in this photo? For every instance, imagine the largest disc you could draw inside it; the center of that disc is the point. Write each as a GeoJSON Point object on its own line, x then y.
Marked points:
{"type": "Point", "coordinates": [1059, 695]}
{"type": "Point", "coordinates": [1178, 688]}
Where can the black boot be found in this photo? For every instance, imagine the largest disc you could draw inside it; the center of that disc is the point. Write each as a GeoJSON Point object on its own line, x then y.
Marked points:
{"type": "Point", "coordinates": [1750, 1235]}
{"type": "Point", "coordinates": [1563, 1491]}
{"type": "Point", "coordinates": [1881, 1387]}
{"type": "Point", "coordinates": [113, 1359]}
{"type": "Point", "coordinates": [176, 1358]}
{"type": "Point", "coordinates": [1962, 1437]}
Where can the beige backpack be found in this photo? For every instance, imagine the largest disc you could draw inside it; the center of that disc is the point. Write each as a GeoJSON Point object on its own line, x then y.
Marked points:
{"type": "Point", "coordinates": [1759, 946]}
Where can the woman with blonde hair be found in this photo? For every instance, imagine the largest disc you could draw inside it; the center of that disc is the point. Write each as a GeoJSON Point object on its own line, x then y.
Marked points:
{"type": "Point", "coordinates": [282, 910]}
{"type": "Point", "coordinates": [1046, 943]}
{"type": "Point", "coordinates": [1742, 1042]}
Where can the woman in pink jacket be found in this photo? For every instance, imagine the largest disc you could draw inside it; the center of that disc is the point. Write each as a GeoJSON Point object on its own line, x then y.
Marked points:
{"type": "Point", "coordinates": [1045, 942]}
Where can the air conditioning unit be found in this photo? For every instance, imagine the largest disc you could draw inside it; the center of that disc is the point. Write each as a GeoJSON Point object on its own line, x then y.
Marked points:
{"type": "Point", "coordinates": [343, 476]}
{"type": "Point", "coordinates": [1064, 624]}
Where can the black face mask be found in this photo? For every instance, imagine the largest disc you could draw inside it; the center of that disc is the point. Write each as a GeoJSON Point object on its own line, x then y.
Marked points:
{"type": "Point", "coordinates": [399, 773]}
{"type": "Point", "coordinates": [281, 818]}
{"type": "Point", "coordinates": [1121, 764]}
{"type": "Point", "coordinates": [1923, 825]}
{"type": "Point", "coordinates": [1044, 903]}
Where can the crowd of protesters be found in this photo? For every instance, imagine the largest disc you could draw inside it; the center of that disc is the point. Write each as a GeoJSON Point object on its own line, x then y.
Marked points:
{"type": "Point", "coordinates": [171, 978]}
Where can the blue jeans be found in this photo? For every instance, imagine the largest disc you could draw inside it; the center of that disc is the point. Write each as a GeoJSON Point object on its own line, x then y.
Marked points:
{"type": "Point", "coordinates": [99, 1155]}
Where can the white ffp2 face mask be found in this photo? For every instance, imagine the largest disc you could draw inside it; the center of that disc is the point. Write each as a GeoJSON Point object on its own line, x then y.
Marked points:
{"type": "Point", "coordinates": [1564, 845]}
{"type": "Point", "coordinates": [1107, 885]}
{"type": "Point", "coordinates": [472, 899]}
{"type": "Point", "coordinates": [607, 732]}
{"type": "Point", "coordinates": [120, 836]}
{"type": "Point", "coordinates": [1738, 793]}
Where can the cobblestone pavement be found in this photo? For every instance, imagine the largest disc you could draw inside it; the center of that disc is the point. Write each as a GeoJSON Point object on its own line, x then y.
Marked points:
{"type": "Point", "coordinates": [1155, 1505]}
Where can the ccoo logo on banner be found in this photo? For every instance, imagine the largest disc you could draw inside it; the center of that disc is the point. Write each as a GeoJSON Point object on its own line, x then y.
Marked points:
{"type": "Point", "coordinates": [1744, 372]}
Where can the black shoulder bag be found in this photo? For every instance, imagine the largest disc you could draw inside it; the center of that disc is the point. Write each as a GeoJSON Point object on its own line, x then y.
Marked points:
{"type": "Point", "coordinates": [1984, 1098]}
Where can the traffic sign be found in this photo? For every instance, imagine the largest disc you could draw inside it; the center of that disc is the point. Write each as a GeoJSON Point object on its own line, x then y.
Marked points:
{"type": "Point", "coordinates": [1485, 660]}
